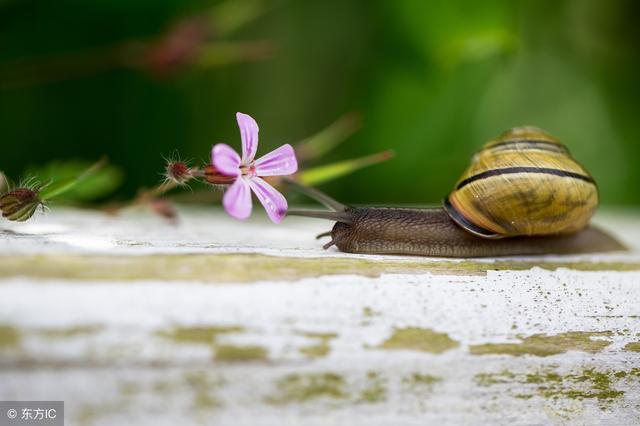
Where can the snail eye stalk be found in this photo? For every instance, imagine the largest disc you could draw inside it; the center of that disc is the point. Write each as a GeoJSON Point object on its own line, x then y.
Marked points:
{"type": "Point", "coordinates": [320, 197]}
{"type": "Point", "coordinates": [338, 211]}
{"type": "Point", "coordinates": [319, 214]}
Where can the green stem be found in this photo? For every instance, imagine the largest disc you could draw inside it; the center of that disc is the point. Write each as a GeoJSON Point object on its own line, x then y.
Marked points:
{"type": "Point", "coordinates": [320, 174]}
{"type": "Point", "coordinates": [54, 191]}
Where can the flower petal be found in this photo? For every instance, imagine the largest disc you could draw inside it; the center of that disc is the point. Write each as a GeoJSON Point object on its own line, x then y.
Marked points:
{"type": "Point", "coordinates": [225, 160]}
{"type": "Point", "coordinates": [237, 199]}
{"type": "Point", "coordinates": [274, 202]}
{"type": "Point", "coordinates": [249, 136]}
{"type": "Point", "coordinates": [279, 162]}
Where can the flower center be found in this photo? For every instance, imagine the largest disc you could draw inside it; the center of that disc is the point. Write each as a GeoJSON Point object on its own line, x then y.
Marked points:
{"type": "Point", "coordinates": [248, 170]}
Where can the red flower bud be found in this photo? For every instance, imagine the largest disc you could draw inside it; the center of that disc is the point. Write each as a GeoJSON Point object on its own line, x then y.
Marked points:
{"type": "Point", "coordinates": [214, 177]}
{"type": "Point", "coordinates": [178, 172]}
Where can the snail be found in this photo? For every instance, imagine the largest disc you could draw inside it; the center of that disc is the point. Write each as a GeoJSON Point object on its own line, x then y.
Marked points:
{"type": "Point", "coordinates": [523, 194]}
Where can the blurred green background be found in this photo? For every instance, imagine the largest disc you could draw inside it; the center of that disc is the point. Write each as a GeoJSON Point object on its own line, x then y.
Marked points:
{"type": "Point", "coordinates": [432, 79]}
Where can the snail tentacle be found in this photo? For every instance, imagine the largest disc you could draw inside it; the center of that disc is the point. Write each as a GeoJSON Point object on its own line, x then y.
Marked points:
{"type": "Point", "coordinates": [324, 234]}
{"type": "Point", "coordinates": [320, 214]}
{"type": "Point", "coordinates": [320, 197]}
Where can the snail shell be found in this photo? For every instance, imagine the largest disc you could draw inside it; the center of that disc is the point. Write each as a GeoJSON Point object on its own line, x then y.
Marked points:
{"type": "Point", "coordinates": [523, 183]}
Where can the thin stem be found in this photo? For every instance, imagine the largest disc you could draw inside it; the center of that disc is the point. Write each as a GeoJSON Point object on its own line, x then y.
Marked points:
{"type": "Point", "coordinates": [69, 184]}
{"type": "Point", "coordinates": [162, 188]}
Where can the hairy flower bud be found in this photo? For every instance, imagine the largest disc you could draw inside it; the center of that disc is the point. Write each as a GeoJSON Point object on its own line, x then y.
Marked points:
{"type": "Point", "coordinates": [178, 172]}
{"type": "Point", "coordinates": [20, 204]}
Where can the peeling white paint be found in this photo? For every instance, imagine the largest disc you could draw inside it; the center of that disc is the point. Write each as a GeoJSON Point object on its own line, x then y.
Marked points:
{"type": "Point", "coordinates": [125, 373]}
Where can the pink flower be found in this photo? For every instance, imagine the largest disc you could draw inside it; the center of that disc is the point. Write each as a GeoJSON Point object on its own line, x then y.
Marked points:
{"type": "Point", "coordinates": [247, 171]}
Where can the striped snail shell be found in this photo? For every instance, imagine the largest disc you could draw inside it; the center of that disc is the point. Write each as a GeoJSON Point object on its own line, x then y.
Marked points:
{"type": "Point", "coordinates": [523, 183]}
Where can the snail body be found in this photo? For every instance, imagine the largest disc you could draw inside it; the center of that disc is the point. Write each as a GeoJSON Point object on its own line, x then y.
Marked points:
{"type": "Point", "coordinates": [523, 194]}
{"type": "Point", "coordinates": [431, 232]}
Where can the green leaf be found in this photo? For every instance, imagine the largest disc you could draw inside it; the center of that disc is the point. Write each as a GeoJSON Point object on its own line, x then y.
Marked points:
{"type": "Point", "coordinates": [92, 187]}
{"type": "Point", "coordinates": [317, 175]}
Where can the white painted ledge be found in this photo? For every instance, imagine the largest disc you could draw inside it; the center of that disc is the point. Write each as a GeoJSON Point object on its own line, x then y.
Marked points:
{"type": "Point", "coordinates": [549, 345]}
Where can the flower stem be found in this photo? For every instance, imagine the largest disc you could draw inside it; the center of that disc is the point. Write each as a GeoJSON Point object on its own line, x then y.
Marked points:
{"type": "Point", "coordinates": [161, 189]}
{"type": "Point", "coordinates": [56, 190]}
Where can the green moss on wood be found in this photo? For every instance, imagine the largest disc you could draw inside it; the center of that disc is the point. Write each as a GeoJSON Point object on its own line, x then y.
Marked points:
{"type": "Point", "coordinates": [203, 387]}
{"type": "Point", "coordinates": [129, 389]}
{"type": "Point", "coordinates": [488, 379]}
{"type": "Point", "coordinates": [299, 388]}
{"type": "Point", "coordinates": [9, 336]}
{"type": "Point", "coordinates": [322, 346]}
{"type": "Point", "coordinates": [590, 383]}
{"type": "Point", "coordinates": [419, 339]}
{"type": "Point", "coordinates": [633, 347]}
{"type": "Point", "coordinates": [419, 379]}
{"type": "Point", "coordinates": [163, 387]}
{"type": "Point", "coordinates": [69, 332]}
{"type": "Point", "coordinates": [586, 383]}
{"type": "Point", "coordinates": [368, 312]}
{"type": "Point", "coordinates": [91, 414]}
{"type": "Point", "coordinates": [86, 415]}
{"type": "Point", "coordinates": [523, 396]}
{"type": "Point", "coordinates": [375, 390]}
{"type": "Point", "coordinates": [316, 351]}
{"type": "Point", "coordinates": [202, 334]}
{"type": "Point", "coordinates": [233, 353]}
{"type": "Point", "coordinates": [239, 267]}
{"type": "Point", "coordinates": [545, 345]}
{"type": "Point", "coordinates": [317, 335]}
{"type": "Point", "coordinates": [547, 377]}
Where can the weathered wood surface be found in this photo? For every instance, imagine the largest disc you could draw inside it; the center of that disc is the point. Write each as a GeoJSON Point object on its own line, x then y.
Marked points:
{"type": "Point", "coordinates": [133, 321]}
